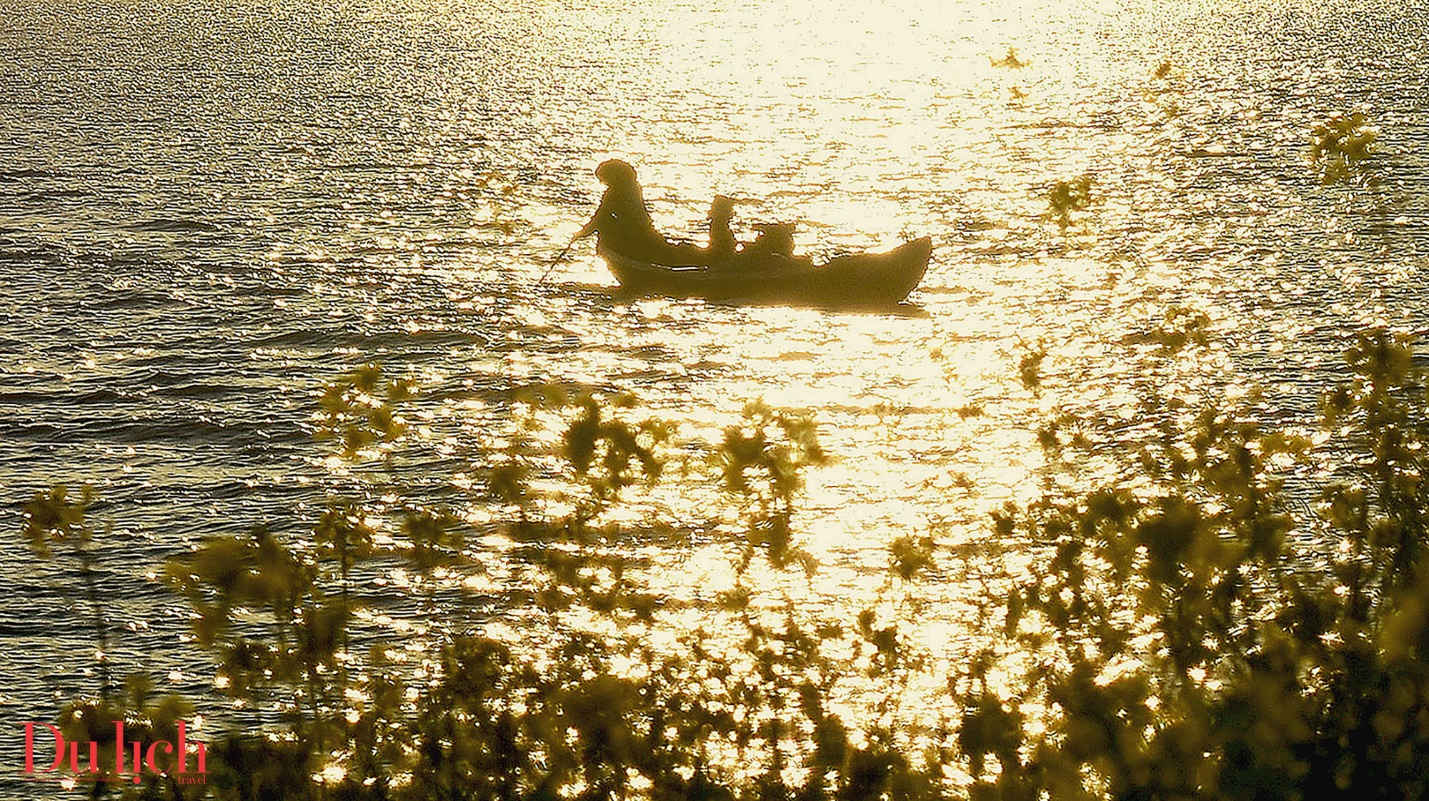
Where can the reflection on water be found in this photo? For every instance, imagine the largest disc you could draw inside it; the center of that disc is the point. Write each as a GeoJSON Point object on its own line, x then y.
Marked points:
{"type": "Point", "coordinates": [207, 210]}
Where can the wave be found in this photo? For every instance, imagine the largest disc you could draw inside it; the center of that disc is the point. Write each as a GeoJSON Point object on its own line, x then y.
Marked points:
{"type": "Point", "coordinates": [163, 225]}
{"type": "Point", "coordinates": [16, 175]}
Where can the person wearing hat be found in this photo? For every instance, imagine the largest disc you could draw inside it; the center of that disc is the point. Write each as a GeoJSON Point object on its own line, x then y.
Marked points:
{"type": "Point", "coordinates": [622, 221]}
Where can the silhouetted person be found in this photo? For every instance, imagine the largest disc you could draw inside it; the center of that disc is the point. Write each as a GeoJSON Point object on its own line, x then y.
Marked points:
{"type": "Point", "coordinates": [622, 221]}
{"type": "Point", "coordinates": [722, 244]}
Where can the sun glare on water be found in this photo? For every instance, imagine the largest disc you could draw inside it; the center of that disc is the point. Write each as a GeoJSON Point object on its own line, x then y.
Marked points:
{"type": "Point", "coordinates": [1136, 215]}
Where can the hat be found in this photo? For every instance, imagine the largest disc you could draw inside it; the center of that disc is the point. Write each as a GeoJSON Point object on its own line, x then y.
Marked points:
{"type": "Point", "coordinates": [615, 171]}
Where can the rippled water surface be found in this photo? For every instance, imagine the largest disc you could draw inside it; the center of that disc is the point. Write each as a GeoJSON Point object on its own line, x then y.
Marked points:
{"type": "Point", "coordinates": [209, 209]}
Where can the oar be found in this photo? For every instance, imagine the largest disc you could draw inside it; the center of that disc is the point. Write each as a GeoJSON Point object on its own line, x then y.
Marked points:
{"type": "Point", "coordinates": [559, 258]}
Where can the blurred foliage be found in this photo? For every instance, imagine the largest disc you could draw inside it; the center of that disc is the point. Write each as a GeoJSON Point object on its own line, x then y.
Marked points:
{"type": "Point", "coordinates": [1029, 367]}
{"type": "Point", "coordinates": [762, 462]}
{"type": "Point", "coordinates": [359, 412]}
{"type": "Point", "coordinates": [57, 528]}
{"type": "Point", "coordinates": [1070, 197]}
{"type": "Point", "coordinates": [606, 451]}
{"type": "Point", "coordinates": [1009, 61]}
{"type": "Point", "coordinates": [1177, 633]}
{"type": "Point", "coordinates": [147, 720]}
{"type": "Point", "coordinates": [53, 519]}
{"type": "Point", "coordinates": [1184, 637]}
{"type": "Point", "coordinates": [1341, 145]}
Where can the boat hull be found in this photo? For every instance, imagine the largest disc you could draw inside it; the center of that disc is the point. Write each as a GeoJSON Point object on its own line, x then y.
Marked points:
{"type": "Point", "coordinates": [868, 279]}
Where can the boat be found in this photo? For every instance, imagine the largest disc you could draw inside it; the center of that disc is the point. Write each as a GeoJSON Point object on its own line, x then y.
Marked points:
{"type": "Point", "coordinates": [857, 280]}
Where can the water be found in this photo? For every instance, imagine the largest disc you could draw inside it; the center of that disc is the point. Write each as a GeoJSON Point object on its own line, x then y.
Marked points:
{"type": "Point", "coordinates": [209, 209]}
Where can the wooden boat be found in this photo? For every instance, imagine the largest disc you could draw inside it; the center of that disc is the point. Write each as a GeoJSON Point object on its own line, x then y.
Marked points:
{"type": "Point", "coordinates": [862, 280]}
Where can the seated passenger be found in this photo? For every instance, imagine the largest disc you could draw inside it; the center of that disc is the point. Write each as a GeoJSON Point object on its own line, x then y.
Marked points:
{"type": "Point", "coordinates": [722, 244]}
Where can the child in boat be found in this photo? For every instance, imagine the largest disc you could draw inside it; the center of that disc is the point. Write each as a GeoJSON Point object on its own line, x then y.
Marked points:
{"type": "Point", "coordinates": [622, 221]}
{"type": "Point", "coordinates": [722, 244]}
{"type": "Point", "coordinates": [773, 245]}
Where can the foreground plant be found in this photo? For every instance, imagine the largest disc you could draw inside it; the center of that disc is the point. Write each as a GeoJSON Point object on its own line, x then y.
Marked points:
{"type": "Point", "coordinates": [1341, 145]}
{"type": "Point", "coordinates": [1180, 633]}
{"type": "Point", "coordinates": [1189, 638]}
{"type": "Point", "coordinates": [121, 741]}
{"type": "Point", "coordinates": [1069, 198]}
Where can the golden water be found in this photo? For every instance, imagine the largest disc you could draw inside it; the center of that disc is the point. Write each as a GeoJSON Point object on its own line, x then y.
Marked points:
{"type": "Point", "coordinates": [207, 210]}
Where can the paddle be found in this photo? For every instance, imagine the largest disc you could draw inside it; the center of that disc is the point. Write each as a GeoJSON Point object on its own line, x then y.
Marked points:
{"type": "Point", "coordinates": [560, 257]}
